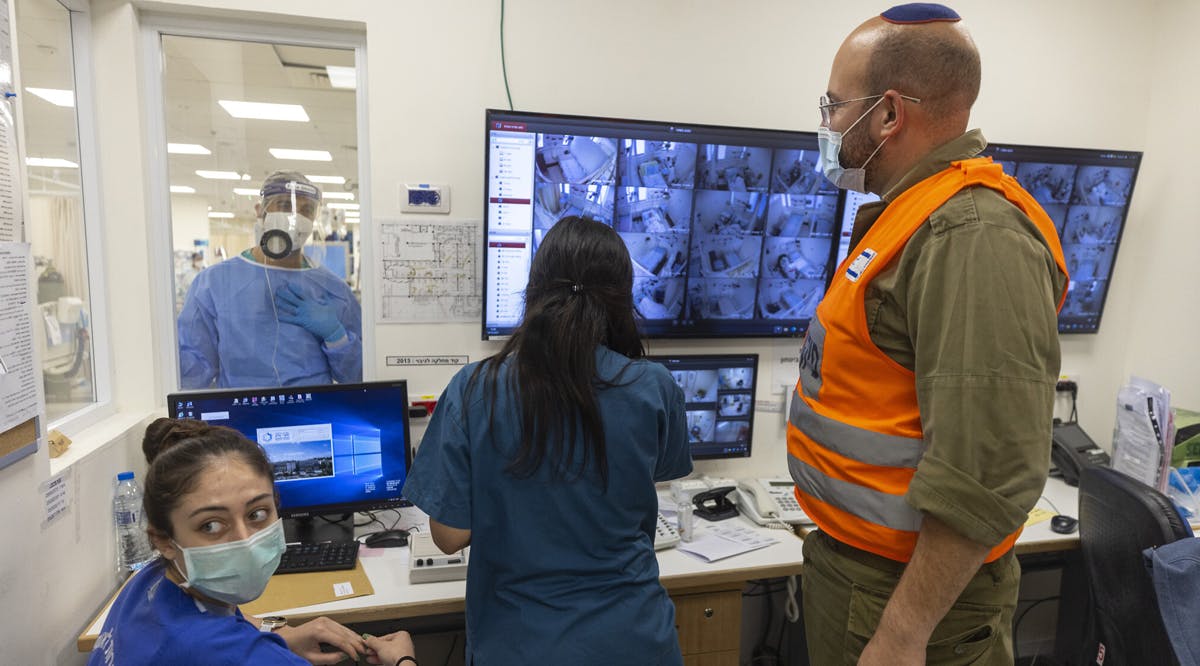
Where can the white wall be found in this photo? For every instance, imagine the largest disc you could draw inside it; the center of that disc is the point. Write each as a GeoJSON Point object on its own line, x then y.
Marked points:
{"type": "Point", "coordinates": [1091, 73]}
{"type": "Point", "coordinates": [189, 222]}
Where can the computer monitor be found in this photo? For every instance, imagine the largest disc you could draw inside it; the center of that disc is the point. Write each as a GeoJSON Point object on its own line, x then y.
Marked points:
{"type": "Point", "coordinates": [730, 229]}
{"type": "Point", "coordinates": [718, 393]}
{"type": "Point", "coordinates": [1085, 191]}
{"type": "Point", "coordinates": [334, 448]}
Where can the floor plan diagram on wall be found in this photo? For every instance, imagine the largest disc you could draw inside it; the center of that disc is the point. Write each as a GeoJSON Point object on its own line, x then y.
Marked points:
{"type": "Point", "coordinates": [429, 272]}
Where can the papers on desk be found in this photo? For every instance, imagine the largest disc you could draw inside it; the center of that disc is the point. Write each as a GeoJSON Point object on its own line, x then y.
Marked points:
{"type": "Point", "coordinates": [719, 541]}
{"type": "Point", "coordinates": [1145, 432]}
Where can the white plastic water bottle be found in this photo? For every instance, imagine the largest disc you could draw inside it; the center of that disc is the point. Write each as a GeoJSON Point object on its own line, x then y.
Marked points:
{"type": "Point", "coordinates": [133, 546]}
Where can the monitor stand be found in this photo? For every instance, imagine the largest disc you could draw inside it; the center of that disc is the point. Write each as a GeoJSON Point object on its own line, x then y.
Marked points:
{"type": "Point", "coordinates": [339, 527]}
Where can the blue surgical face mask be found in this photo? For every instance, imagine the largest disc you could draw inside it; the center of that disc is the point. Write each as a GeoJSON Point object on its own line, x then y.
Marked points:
{"type": "Point", "coordinates": [235, 572]}
{"type": "Point", "coordinates": [830, 143]}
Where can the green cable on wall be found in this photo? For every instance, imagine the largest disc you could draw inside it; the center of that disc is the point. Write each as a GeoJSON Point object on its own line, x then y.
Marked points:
{"type": "Point", "coordinates": [503, 60]}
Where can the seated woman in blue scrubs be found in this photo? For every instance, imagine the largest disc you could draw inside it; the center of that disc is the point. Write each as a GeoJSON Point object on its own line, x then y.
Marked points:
{"type": "Point", "coordinates": [210, 504]}
{"type": "Point", "coordinates": [544, 458]}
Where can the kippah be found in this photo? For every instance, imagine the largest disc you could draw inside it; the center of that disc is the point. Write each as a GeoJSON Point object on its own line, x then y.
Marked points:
{"type": "Point", "coordinates": [920, 12]}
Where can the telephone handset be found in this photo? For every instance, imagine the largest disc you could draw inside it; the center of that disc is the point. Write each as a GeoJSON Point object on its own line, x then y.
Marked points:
{"type": "Point", "coordinates": [1072, 450]}
{"type": "Point", "coordinates": [770, 502]}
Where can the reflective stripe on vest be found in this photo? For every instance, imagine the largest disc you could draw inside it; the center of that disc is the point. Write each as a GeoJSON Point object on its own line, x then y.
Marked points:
{"type": "Point", "coordinates": [854, 427]}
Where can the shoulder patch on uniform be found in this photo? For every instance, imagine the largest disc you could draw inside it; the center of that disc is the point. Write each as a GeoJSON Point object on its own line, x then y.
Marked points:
{"type": "Point", "coordinates": [860, 263]}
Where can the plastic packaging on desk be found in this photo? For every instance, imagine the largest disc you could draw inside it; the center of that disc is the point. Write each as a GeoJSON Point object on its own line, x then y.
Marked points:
{"type": "Point", "coordinates": [1183, 487]}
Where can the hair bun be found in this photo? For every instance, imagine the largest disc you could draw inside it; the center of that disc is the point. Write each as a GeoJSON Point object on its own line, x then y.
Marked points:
{"type": "Point", "coordinates": [163, 433]}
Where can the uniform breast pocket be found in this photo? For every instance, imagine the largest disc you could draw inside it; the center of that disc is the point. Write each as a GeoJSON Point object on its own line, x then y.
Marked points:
{"type": "Point", "coordinates": [964, 635]}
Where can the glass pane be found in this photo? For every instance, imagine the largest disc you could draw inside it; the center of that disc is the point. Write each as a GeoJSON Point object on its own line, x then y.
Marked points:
{"type": "Point", "coordinates": [55, 216]}
{"type": "Point", "coordinates": [265, 286]}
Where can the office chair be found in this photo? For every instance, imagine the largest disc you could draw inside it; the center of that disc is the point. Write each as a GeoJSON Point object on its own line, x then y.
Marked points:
{"type": "Point", "coordinates": [1119, 517]}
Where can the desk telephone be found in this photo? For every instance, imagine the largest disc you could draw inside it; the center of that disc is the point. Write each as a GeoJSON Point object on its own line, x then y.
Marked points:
{"type": "Point", "coordinates": [770, 502]}
{"type": "Point", "coordinates": [1072, 450]}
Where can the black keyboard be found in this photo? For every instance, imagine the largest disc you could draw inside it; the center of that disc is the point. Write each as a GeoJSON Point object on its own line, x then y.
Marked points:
{"type": "Point", "coordinates": [324, 556]}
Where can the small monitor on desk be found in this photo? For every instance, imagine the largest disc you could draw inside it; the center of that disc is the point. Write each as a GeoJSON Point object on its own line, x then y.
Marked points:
{"type": "Point", "coordinates": [335, 449]}
{"type": "Point", "coordinates": [718, 393]}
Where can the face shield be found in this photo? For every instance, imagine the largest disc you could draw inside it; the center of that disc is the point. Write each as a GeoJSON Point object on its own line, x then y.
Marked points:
{"type": "Point", "coordinates": [288, 209]}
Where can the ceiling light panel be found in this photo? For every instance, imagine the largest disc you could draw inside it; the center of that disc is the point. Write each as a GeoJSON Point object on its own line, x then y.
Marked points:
{"type": "Point", "coordinates": [182, 189]}
{"type": "Point", "coordinates": [327, 180]}
{"type": "Point", "coordinates": [187, 149]}
{"type": "Point", "coordinates": [298, 154]}
{"type": "Point", "coordinates": [219, 175]}
{"type": "Point", "coordinates": [216, 215]}
{"type": "Point", "coordinates": [344, 196]}
{"type": "Point", "coordinates": [342, 77]}
{"type": "Point", "coordinates": [54, 95]}
{"type": "Point", "coordinates": [264, 111]}
{"type": "Point", "coordinates": [246, 191]}
{"type": "Point", "coordinates": [50, 162]}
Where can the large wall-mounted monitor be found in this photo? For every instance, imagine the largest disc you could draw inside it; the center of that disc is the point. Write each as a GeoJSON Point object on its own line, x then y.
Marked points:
{"type": "Point", "coordinates": [718, 394]}
{"type": "Point", "coordinates": [1086, 192]}
{"type": "Point", "coordinates": [334, 448]}
{"type": "Point", "coordinates": [730, 229]}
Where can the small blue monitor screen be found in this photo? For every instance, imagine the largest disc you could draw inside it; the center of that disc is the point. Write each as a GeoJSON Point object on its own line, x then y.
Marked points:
{"type": "Point", "coordinates": [718, 394]}
{"type": "Point", "coordinates": [333, 448]}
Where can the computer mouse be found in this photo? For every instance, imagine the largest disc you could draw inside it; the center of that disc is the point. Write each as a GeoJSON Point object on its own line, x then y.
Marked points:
{"type": "Point", "coordinates": [387, 539]}
{"type": "Point", "coordinates": [1063, 524]}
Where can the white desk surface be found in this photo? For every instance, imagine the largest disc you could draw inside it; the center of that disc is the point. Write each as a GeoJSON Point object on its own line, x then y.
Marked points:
{"type": "Point", "coordinates": [396, 598]}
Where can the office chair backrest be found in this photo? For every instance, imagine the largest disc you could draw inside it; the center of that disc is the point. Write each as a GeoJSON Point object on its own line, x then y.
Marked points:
{"type": "Point", "coordinates": [1119, 517]}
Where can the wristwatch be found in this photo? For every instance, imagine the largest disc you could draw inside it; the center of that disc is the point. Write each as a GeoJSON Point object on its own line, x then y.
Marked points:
{"type": "Point", "coordinates": [272, 622]}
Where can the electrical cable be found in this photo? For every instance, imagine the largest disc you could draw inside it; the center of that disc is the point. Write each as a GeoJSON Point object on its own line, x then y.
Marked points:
{"type": "Point", "coordinates": [1017, 623]}
{"type": "Point", "coordinates": [791, 607]}
{"type": "Point", "coordinates": [453, 644]}
{"type": "Point", "coordinates": [1047, 500]}
{"type": "Point", "coordinates": [503, 59]}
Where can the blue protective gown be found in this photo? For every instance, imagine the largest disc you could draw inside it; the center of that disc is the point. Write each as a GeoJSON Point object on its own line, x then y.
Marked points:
{"type": "Point", "coordinates": [153, 622]}
{"type": "Point", "coordinates": [561, 572]}
{"type": "Point", "coordinates": [228, 333]}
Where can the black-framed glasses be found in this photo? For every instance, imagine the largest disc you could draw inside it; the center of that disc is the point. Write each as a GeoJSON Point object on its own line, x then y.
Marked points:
{"type": "Point", "coordinates": [825, 104]}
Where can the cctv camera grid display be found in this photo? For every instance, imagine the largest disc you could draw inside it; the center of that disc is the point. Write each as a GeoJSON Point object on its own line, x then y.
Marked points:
{"type": "Point", "coordinates": [727, 236]}
{"type": "Point", "coordinates": [719, 401]}
{"type": "Point", "coordinates": [1086, 193]}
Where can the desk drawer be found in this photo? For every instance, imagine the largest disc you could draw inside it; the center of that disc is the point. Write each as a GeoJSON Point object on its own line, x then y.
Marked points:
{"type": "Point", "coordinates": [709, 622]}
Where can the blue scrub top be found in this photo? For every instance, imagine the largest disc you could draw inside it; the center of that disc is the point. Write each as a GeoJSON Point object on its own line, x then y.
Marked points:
{"type": "Point", "coordinates": [561, 572]}
{"type": "Point", "coordinates": [153, 621]}
{"type": "Point", "coordinates": [228, 331]}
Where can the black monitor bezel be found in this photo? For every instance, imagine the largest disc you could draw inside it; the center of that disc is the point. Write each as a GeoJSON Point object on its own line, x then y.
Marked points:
{"type": "Point", "coordinates": [665, 131]}
{"type": "Point", "coordinates": [716, 359]}
{"type": "Point", "coordinates": [321, 509]}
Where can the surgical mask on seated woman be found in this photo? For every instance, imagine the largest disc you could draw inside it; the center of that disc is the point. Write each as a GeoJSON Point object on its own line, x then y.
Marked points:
{"type": "Point", "coordinates": [235, 572]}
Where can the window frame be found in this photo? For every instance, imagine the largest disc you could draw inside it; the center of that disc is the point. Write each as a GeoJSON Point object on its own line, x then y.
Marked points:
{"type": "Point", "coordinates": [83, 79]}
{"type": "Point", "coordinates": [250, 27]}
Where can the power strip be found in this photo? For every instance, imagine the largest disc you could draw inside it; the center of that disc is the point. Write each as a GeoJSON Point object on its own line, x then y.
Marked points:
{"type": "Point", "coordinates": [428, 564]}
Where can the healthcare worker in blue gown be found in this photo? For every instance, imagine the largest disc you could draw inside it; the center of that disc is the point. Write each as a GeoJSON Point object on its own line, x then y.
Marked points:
{"type": "Point", "coordinates": [270, 316]}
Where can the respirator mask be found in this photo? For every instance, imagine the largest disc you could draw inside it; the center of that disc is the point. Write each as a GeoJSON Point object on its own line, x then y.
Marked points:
{"type": "Point", "coordinates": [287, 221]}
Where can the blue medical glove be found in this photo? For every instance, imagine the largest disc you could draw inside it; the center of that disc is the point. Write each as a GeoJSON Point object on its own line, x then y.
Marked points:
{"type": "Point", "coordinates": [313, 315]}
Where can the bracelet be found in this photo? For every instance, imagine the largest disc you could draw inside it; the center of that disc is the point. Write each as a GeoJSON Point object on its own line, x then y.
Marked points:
{"type": "Point", "coordinates": [405, 658]}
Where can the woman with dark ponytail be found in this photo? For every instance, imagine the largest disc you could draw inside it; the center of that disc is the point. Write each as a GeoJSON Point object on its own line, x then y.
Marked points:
{"type": "Point", "coordinates": [544, 458]}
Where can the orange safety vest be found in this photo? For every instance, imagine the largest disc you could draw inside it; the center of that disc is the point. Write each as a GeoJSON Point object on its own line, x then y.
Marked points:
{"type": "Point", "coordinates": [854, 430]}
